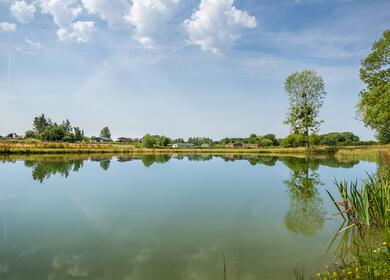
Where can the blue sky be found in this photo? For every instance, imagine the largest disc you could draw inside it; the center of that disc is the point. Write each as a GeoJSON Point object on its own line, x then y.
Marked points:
{"type": "Point", "coordinates": [181, 67]}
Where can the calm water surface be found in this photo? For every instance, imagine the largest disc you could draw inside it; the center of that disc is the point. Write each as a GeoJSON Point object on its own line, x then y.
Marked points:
{"type": "Point", "coordinates": [162, 217]}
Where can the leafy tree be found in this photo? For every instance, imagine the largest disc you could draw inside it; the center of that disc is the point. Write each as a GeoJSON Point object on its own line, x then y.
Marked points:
{"type": "Point", "coordinates": [198, 141]}
{"type": "Point", "coordinates": [148, 141]}
{"type": "Point", "coordinates": [273, 138]}
{"type": "Point", "coordinates": [67, 126]}
{"type": "Point", "coordinates": [29, 134]}
{"type": "Point", "coordinates": [266, 142]}
{"type": "Point", "coordinates": [294, 140]}
{"type": "Point", "coordinates": [54, 133]}
{"type": "Point", "coordinates": [177, 140]}
{"type": "Point", "coordinates": [374, 104]}
{"type": "Point", "coordinates": [339, 139]}
{"type": "Point", "coordinates": [105, 133]}
{"type": "Point", "coordinates": [306, 91]}
{"type": "Point", "coordinates": [40, 123]}
{"type": "Point", "coordinates": [78, 134]}
{"type": "Point", "coordinates": [253, 139]}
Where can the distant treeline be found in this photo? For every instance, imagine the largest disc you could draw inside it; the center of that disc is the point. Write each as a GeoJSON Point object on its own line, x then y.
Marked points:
{"type": "Point", "coordinates": [45, 129]}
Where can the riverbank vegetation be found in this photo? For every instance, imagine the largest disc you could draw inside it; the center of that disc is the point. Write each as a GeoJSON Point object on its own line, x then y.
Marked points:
{"type": "Point", "coordinates": [364, 241]}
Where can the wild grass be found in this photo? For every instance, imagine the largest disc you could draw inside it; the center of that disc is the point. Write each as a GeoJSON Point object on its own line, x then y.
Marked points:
{"type": "Point", "coordinates": [365, 234]}
{"type": "Point", "coordinates": [370, 153]}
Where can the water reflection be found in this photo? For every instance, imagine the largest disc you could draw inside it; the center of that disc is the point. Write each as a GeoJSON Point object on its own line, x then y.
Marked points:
{"type": "Point", "coordinates": [42, 170]}
{"type": "Point", "coordinates": [306, 213]}
{"type": "Point", "coordinates": [148, 225]}
{"type": "Point", "coordinates": [302, 184]}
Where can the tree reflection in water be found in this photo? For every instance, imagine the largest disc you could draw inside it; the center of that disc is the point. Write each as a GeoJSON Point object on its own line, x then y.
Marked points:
{"type": "Point", "coordinates": [105, 164]}
{"type": "Point", "coordinates": [306, 214]}
{"type": "Point", "coordinates": [42, 170]}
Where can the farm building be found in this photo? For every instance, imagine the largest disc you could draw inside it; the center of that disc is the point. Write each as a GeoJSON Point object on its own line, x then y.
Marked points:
{"type": "Point", "coordinates": [251, 145]}
{"type": "Point", "coordinates": [182, 145]}
{"type": "Point", "coordinates": [233, 145]}
{"type": "Point", "coordinates": [100, 139]}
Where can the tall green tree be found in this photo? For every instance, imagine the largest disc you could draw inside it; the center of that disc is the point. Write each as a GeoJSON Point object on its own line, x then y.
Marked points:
{"type": "Point", "coordinates": [40, 123]}
{"type": "Point", "coordinates": [374, 104]}
{"type": "Point", "coordinates": [306, 91]}
{"type": "Point", "coordinates": [105, 133]}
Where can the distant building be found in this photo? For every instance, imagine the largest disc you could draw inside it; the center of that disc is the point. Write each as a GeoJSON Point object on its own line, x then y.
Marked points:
{"type": "Point", "coordinates": [123, 140]}
{"type": "Point", "coordinates": [251, 145]}
{"type": "Point", "coordinates": [100, 139]}
{"type": "Point", "coordinates": [12, 135]}
{"type": "Point", "coordinates": [128, 140]}
{"type": "Point", "coordinates": [182, 145]}
{"type": "Point", "coordinates": [233, 145]}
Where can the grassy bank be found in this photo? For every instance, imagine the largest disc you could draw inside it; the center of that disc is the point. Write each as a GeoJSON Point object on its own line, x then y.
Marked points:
{"type": "Point", "coordinates": [364, 241]}
{"type": "Point", "coordinates": [369, 153]}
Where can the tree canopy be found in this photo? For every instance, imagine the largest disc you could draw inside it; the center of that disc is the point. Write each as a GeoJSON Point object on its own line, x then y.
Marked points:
{"type": "Point", "coordinates": [306, 91]}
{"type": "Point", "coordinates": [45, 129]}
{"type": "Point", "coordinates": [374, 104]}
{"type": "Point", "coordinates": [105, 133]}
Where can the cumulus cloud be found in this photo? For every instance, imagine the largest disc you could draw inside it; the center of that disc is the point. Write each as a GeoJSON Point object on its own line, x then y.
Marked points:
{"type": "Point", "coordinates": [79, 31]}
{"type": "Point", "coordinates": [111, 11]}
{"type": "Point", "coordinates": [7, 27]}
{"type": "Point", "coordinates": [22, 11]}
{"type": "Point", "coordinates": [149, 18]}
{"type": "Point", "coordinates": [62, 11]}
{"type": "Point", "coordinates": [217, 24]}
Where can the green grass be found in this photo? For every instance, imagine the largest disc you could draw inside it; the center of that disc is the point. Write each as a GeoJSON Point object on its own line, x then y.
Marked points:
{"type": "Point", "coordinates": [369, 153]}
{"type": "Point", "coordinates": [365, 235]}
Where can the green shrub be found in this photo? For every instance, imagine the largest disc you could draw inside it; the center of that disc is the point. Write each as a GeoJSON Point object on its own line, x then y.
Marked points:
{"type": "Point", "coordinates": [266, 142]}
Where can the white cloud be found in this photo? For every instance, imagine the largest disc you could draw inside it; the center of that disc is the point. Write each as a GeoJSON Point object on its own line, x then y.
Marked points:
{"type": "Point", "coordinates": [111, 11]}
{"type": "Point", "coordinates": [7, 27]}
{"type": "Point", "coordinates": [149, 18]}
{"type": "Point", "coordinates": [62, 11]}
{"type": "Point", "coordinates": [217, 24]}
{"type": "Point", "coordinates": [32, 43]}
{"type": "Point", "coordinates": [22, 11]}
{"type": "Point", "coordinates": [79, 31]}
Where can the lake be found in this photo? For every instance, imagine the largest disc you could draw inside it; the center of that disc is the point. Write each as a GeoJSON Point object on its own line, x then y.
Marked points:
{"type": "Point", "coordinates": [168, 217]}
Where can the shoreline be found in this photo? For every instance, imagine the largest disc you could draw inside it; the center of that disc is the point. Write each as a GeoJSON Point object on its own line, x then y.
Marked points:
{"type": "Point", "coordinates": [368, 153]}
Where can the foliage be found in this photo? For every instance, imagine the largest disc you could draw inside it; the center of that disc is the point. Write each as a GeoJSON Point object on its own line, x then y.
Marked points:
{"type": "Point", "coordinates": [54, 133]}
{"type": "Point", "coordinates": [41, 123]}
{"type": "Point", "coordinates": [366, 235]}
{"type": "Point", "coordinates": [306, 91]}
{"type": "Point", "coordinates": [29, 134]}
{"type": "Point", "coordinates": [155, 141]}
{"type": "Point", "coordinates": [252, 139]}
{"type": "Point", "coordinates": [266, 142]}
{"type": "Point", "coordinates": [294, 140]}
{"type": "Point", "coordinates": [177, 140]}
{"type": "Point", "coordinates": [198, 141]}
{"type": "Point", "coordinates": [339, 139]}
{"type": "Point", "coordinates": [105, 133]}
{"type": "Point", "coordinates": [45, 129]}
{"type": "Point", "coordinates": [374, 104]}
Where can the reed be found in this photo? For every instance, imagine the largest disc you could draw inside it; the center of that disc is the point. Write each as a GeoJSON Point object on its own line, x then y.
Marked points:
{"type": "Point", "coordinates": [365, 233]}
